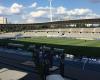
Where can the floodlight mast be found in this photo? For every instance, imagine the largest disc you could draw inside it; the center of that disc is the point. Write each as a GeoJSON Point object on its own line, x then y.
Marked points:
{"type": "Point", "coordinates": [50, 2]}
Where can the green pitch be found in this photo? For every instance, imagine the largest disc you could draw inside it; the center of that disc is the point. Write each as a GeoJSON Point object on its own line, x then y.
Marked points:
{"type": "Point", "coordinates": [63, 41]}
{"type": "Point", "coordinates": [76, 47]}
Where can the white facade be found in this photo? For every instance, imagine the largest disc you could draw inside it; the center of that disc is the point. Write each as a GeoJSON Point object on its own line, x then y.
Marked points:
{"type": "Point", "coordinates": [3, 20]}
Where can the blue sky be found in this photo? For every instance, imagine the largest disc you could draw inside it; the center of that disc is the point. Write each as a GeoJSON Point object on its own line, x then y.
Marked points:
{"type": "Point", "coordinates": [34, 11]}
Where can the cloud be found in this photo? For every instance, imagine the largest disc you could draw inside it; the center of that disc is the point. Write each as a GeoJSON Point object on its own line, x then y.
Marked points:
{"type": "Point", "coordinates": [16, 8]}
{"type": "Point", "coordinates": [91, 15]}
{"type": "Point", "coordinates": [80, 11]}
{"type": "Point", "coordinates": [38, 13]}
{"type": "Point", "coordinates": [61, 10]}
{"type": "Point", "coordinates": [43, 8]}
{"type": "Point", "coordinates": [64, 11]}
{"type": "Point", "coordinates": [1, 9]}
{"type": "Point", "coordinates": [33, 5]}
{"type": "Point", "coordinates": [36, 20]}
{"type": "Point", "coordinates": [30, 20]}
{"type": "Point", "coordinates": [42, 14]}
{"type": "Point", "coordinates": [4, 10]}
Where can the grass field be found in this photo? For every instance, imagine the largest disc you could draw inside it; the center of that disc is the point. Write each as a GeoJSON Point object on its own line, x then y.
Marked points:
{"type": "Point", "coordinates": [63, 41]}
{"type": "Point", "coordinates": [77, 47]}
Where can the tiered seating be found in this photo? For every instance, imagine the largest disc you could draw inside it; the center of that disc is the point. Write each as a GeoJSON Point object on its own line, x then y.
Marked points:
{"type": "Point", "coordinates": [7, 35]}
{"type": "Point", "coordinates": [97, 30]}
{"type": "Point", "coordinates": [54, 34]}
{"type": "Point", "coordinates": [88, 30]}
{"type": "Point", "coordinates": [75, 30]}
{"type": "Point", "coordinates": [91, 33]}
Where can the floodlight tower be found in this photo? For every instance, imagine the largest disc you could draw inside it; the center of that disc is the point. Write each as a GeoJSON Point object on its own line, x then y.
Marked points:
{"type": "Point", "coordinates": [50, 2]}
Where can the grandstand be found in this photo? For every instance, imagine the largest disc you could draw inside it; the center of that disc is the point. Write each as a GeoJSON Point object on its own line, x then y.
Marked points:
{"type": "Point", "coordinates": [85, 29]}
{"type": "Point", "coordinates": [82, 29]}
{"type": "Point", "coordinates": [75, 33]}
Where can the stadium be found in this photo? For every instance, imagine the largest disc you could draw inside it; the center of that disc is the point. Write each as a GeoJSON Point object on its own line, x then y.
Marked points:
{"type": "Point", "coordinates": [78, 38]}
{"type": "Point", "coordinates": [77, 29]}
{"type": "Point", "coordinates": [84, 33]}
{"type": "Point", "coordinates": [66, 48]}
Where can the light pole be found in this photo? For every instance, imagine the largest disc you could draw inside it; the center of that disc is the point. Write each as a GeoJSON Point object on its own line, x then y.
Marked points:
{"type": "Point", "coordinates": [50, 2]}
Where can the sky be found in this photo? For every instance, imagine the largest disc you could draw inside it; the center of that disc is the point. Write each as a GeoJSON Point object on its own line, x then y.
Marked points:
{"type": "Point", "coordinates": [37, 11]}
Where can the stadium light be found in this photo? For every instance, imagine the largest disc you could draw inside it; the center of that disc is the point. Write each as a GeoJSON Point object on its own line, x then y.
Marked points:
{"type": "Point", "coordinates": [50, 2]}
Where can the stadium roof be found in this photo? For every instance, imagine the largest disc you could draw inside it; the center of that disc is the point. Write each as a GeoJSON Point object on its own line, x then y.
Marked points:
{"type": "Point", "coordinates": [88, 21]}
{"type": "Point", "coordinates": [75, 21]}
{"type": "Point", "coordinates": [55, 24]}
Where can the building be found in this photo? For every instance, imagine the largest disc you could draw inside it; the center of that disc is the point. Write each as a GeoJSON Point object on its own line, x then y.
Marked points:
{"type": "Point", "coordinates": [3, 20]}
